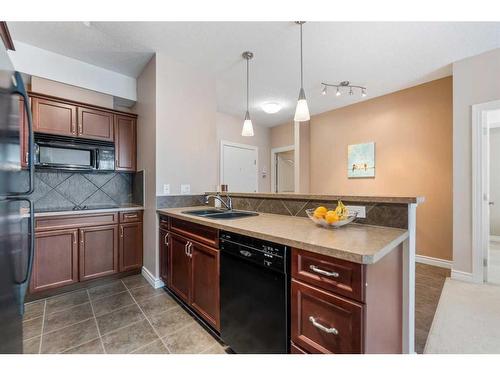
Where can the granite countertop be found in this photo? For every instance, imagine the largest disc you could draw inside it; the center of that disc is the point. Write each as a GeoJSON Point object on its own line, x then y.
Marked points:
{"type": "Point", "coordinates": [357, 243]}
{"type": "Point", "coordinates": [328, 197]}
{"type": "Point", "coordinates": [130, 207]}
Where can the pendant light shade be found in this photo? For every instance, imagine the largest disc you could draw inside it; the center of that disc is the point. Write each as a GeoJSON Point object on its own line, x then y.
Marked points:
{"type": "Point", "coordinates": [302, 110]}
{"type": "Point", "coordinates": [247, 130]}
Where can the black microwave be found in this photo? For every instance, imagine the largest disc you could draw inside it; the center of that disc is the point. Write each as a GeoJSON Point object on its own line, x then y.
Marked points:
{"type": "Point", "coordinates": [73, 154]}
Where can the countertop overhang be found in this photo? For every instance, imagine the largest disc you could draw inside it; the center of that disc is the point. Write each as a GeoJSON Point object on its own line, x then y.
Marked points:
{"type": "Point", "coordinates": [359, 243]}
{"type": "Point", "coordinates": [89, 211]}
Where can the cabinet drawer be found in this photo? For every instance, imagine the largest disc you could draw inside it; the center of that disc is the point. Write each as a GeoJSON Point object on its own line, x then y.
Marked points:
{"type": "Point", "coordinates": [325, 323]}
{"type": "Point", "coordinates": [294, 349]}
{"type": "Point", "coordinates": [130, 216]}
{"type": "Point", "coordinates": [74, 221]}
{"type": "Point", "coordinates": [336, 275]}
{"type": "Point", "coordinates": [194, 231]}
{"type": "Point", "coordinates": [164, 223]}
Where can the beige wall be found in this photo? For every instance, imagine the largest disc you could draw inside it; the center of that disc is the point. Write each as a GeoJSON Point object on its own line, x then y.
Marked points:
{"type": "Point", "coordinates": [495, 181]}
{"type": "Point", "coordinates": [62, 90]}
{"type": "Point", "coordinates": [186, 150]}
{"type": "Point", "coordinates": [302, 140]}
{"type": "Point", "coordinates": [412, 130]}
{"type": "Point", "coordinates": [229, 129]}
{"type": "Point", "coordinates": [282, 135]}
{"type": "Point", "coordinates": [475, 80]}
{"type": "Point", "coordinates": [146, 159]}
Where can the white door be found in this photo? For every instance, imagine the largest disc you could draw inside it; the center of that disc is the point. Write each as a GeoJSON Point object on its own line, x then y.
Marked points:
{"type": "Point", "coordinates": [285, 172]}
{"type": "Point", "coordinates": [239, 167]}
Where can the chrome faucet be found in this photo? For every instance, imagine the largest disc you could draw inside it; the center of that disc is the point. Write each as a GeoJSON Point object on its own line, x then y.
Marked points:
{"type": "Point", "coordinates": [228, 203]}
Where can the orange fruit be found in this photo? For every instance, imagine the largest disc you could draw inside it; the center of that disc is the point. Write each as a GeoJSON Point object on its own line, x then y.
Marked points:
{"type": "Point", "coordinates": [331, 217]}
{"type": "Point", "coordinates": [320, 212]}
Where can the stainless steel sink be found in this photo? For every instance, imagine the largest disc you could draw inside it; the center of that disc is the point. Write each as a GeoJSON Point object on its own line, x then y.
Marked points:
{"type": "Point", "coordinates": [220, 214]}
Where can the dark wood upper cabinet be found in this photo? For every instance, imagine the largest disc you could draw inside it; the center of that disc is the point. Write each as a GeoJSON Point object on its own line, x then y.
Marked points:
{"type": "Point", "coordinates": [130, 253]}
{"type": "Point", "coordinates": [56, 260]}
{"type": "Point", "coordinates": [164, 256]}
{"type": "Point", "coordinates": [179, 267]}
{"type": "Point", "coordinates": [98, 251]}
{"type": "Point", "coordinates": [205, 282]}
{"type": "Point", "coordinates": [95, 124]}
{"type": "Point", "coordinates": [125, 143]}
{"type": "Point", "coordinates": [54, 117]}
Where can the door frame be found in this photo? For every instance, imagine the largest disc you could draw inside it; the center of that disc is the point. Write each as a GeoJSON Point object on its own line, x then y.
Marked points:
{"type": "Point", "coordinates": [239, 145]}
{"type": "Point", "coordinates": [275, 151]}
{"type": "Point", "coordinates": [480, 178]}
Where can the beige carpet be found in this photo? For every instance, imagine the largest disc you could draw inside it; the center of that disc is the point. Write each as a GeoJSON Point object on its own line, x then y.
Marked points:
{"type": "Point", "coordinates": [494, 263]}
{"type": "Point", "coordinates": [467, 320]}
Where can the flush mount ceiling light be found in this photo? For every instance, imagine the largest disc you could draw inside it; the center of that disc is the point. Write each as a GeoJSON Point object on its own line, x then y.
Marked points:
{"type": "Point", "coordinates": [343, 86]}
{"type": "Point", "coordinates": [247, 130]}
{"type": "Point", "coordinates": [271, 107]}
{"type": "Point", "coordinates": [302, 110]}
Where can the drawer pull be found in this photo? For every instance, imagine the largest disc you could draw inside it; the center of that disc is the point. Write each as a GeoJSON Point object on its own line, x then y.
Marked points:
{"type": "Point", "coordinates": [130, 216]}
{"type": "Point", "coordinates": [323, 272]}
{"type": "Point", "coordinates": [332, 330]}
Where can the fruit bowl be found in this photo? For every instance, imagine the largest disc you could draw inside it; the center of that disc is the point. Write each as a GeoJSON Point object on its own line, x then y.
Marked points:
{"type": "Point", "coordinates": [325, 224]}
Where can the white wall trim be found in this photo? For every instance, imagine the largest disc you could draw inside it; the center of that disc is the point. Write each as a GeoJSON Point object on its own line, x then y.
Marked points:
{"type": "Point", "coordinates": [480, 189]}
{"type": "Point", "coordinates": [240, 145]}
{"type": "Point", "coordinates": [274, 151]}
{"type": "Point", "coordinates": [409, 282]}
{"type": "Point", "coordinates": [463, 276]}
{"type": "Point", "coordinates": [155, 282]}
{"type": "Point", "coordinates": [431, 261]}
{"type": "Point", "coordinates": [494, 238]}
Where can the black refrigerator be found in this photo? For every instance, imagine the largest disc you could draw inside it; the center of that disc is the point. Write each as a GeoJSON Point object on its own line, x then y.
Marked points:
{"type": "Point", "coordinates": [16, 209]}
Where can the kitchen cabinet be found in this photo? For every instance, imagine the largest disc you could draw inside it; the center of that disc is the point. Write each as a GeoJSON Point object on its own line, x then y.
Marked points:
{"type": "Point", "coordinates": [81, 247]}
{"type": "Point", "coordinates": [192, 267]}
{"type": "Point", "coordinates": [164, 256]}
{"type": "Point", "coordinates": [54, 117]}
{"type": "Point", "coordinates": [130, 253]}
{"type": "Point", "coordinates": [56, 260]}
{"type": "Point", "coordinates": [95, 124]}
{"type": "Point", "coordinates": [125, 143]}
{"type": "Point", "coordinates": [98, 251]}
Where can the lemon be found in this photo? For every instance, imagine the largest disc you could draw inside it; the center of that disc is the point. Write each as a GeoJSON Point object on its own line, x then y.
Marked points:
{"type": "Point", "coordinates": [331, 217]}
{"type": "Point", "coordinates": [320, 212]}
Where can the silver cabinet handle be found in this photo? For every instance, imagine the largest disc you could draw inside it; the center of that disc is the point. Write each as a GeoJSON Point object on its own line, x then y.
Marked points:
{"type": "Point", "coordinates": [130, 216]}
{"type": "Point", "coordinates": [121, 231]}
{"type": "Point", "coordinates": [186, 248]}
{"type": "Point", "coordinates": [166, 239]}
{"type": "Point", "coordinates": [331, 330]}
{"type": "Point", "coordinates": [190, 249]}
{"type": "Point", "coordinates": [313, 268]}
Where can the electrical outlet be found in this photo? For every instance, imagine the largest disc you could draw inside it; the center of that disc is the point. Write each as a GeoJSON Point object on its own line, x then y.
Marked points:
{"type": "Point", "coordinates": [361, 210]}
{"type": "Point", "coordinates": [185, 188]}
{"type": "Point", "coordinates": [166, 188]}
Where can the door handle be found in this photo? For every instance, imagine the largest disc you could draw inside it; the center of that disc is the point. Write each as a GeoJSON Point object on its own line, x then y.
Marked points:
{"type": "Point", "coordinates": [491, 203]}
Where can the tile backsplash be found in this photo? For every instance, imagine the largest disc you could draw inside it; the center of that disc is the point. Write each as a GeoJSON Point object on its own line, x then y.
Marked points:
{"type": "Point", "coordinates": [58, 190]}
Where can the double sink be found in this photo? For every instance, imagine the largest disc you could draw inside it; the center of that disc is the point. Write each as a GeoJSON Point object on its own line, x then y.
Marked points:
{"type": "Point", "coordinates": [213, 213]}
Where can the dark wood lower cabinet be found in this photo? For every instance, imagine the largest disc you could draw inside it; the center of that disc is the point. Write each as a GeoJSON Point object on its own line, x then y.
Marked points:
{"type": "Point", "coordinates": [179, 267]}
{"type": "Point", "coordinates": [130, 253]}
{"type": "Point", "coordinates": [56, 260]}
{"type": "Point", "coordinates": [205, 282]}
{"type": "Point", "coordinates": [98, 251]}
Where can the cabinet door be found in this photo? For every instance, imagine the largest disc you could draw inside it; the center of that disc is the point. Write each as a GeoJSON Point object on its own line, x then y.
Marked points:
{"type": "Point", "coordinates": [130, 246]}
{"type": "Point", "coordinates": [56, 260]}
{"type": "Point", "coordinates": [98, 251]}
{"type": "Point", "coordinates": [164, 256]}
{"type": "Point", "coordinates": [23, 136]}
{"type": "Point", "coordinates": [125, 143]}
{"type": "Point", "coordinates": [179, 267]}
{"type": "Point", "coordinates": [95, 124]}
{"type": "Point", "coordinates": [205, 283]}
{"type": "Point", "coordinates": [53, 117]}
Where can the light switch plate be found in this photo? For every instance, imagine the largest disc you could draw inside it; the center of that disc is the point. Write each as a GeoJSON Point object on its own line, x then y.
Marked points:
{"type": "Point", "coordinates": [185, 188]}
{"type": "Point", "coordinates": [166, 188]}
{"type": "Point", "coordinates": [361, 210]}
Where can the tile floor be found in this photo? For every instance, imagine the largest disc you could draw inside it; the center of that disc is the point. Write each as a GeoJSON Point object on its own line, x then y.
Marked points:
{"type": "Point", "coordinates": [130, 316]}
{"type": "Point", "coordinates": [429, 282]}
{"type": "Point", "coordinates": [122, 316]}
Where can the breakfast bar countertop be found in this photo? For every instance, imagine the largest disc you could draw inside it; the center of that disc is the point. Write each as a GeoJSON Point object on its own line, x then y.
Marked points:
{"type": "Point", "coordinates": [359, 243]}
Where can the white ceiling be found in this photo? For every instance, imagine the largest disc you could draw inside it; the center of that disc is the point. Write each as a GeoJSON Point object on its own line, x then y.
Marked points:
{"type": "Point", "coordinates": [385, 57]}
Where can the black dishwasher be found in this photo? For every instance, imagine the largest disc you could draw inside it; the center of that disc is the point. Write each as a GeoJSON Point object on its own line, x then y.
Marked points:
{"type": "Point", "coordinates": [254, 294]}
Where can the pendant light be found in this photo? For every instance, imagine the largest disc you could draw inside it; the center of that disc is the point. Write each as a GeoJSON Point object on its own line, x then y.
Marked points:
{"type": "Point", "coordinates": [302, 110]}
{"type": "Point", "coordinates": [247, 130]}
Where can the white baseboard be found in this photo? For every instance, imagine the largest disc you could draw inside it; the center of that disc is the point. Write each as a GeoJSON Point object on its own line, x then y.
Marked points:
{"type": "Point", "coordinates": [495, 238]}
{"type": "Point", "coordinates": [155, 282]}
{"type": "Point", "coordinates": [437, 262]}
{"type": "Point", "coordinates": [462, 276]}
